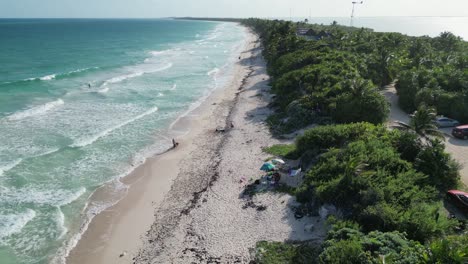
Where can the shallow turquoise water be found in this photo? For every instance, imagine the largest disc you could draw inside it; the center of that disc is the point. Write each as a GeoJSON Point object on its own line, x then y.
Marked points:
{"type": "Point", "coordinates": [81, 101]}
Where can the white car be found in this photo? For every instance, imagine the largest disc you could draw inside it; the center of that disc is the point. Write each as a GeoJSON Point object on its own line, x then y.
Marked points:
{"type": "Point", "coordinates": [446, 122]}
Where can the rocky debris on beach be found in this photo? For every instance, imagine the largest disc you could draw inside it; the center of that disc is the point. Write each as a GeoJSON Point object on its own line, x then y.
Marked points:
{"type": "Point", "coordinates": [206, 217]}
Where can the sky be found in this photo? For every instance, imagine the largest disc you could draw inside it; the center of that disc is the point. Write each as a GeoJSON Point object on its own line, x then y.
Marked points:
{"type": "Point", "coordinates": [226, 8]}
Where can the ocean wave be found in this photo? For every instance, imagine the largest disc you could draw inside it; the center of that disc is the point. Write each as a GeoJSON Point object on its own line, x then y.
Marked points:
{"type": "Point", "coordinates": [45, 153]}
{"type": "Point", "coordinates": [13, 223]}
{"type": "Point", "coordinates": [53, 76]}
{"type": "Point", "coordinates": [157, 53]}
{"type": "Point", "coordinates": [48, 77]}
{"type": "Point", "coordinates": [211, 37]}
{"type": "Point", "coordinates": [135, 74]}
{"type": "Point", "coordinates": [92, 209]}
{"type": "Point", "coordinates": [91, 212]}
{"type": "Point", "coordinates": [9, 166]}
{"type": "Point", "coordinates": [36, 110]}
{"type": "Point", "coordinates": [43, 78]}
{"type": "Point", "coordinates": [92, 139]}
{"type": "Point", "coordinates": [212, 72]}
{"type": "Point", "coordinates": [104, 90]}
{"type": "Point", "coordinates": [60, 220]}
{"type": "Point", "coordinates": [56, 197]}
{"type": "Point", "coordinates": [81, 70]}
{"type": "Point", "coordinates": [173, 87]}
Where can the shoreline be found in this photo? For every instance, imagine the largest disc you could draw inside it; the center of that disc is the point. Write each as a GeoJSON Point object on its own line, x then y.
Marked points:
{"type": "Point", "coordinates": [119, 229]}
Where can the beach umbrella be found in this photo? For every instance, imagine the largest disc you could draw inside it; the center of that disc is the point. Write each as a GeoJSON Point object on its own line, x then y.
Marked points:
{"type": "Point", "coordinates": [267, 166]}
{"type": "Point", "coordinates": [277, 161]}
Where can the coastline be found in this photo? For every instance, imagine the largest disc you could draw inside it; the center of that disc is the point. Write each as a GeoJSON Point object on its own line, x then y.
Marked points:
{"type": "Point", "coordinates": [206, 217]}
{"type": "Point", "coordinates": [120, 228]}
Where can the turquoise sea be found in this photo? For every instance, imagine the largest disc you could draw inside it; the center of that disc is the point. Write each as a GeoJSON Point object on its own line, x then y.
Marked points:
{"type": "Point", "coordinates": [82, 102]}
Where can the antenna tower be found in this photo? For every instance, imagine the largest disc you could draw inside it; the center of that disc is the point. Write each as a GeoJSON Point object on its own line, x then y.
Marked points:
{"type": "Point", "coordinates": [352, 12]}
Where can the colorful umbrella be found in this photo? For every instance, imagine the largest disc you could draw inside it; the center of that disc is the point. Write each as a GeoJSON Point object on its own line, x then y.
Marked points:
{"type": "Point", "coordinates": [267, 166]}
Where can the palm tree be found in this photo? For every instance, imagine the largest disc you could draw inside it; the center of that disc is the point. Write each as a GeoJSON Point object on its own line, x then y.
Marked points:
{"type": "Point", "coordinates": [422, 123]}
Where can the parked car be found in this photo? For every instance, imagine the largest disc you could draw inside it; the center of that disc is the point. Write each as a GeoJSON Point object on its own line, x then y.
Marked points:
{"type": "Point", "coordinates": [459, 198]}
{"type": "Point", "coordinates": [442, 121]}
{"type": "Point", "coordinates": [460, 132]}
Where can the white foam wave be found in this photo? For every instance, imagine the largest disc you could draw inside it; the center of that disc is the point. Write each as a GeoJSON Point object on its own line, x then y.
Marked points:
{"type": "Point", "coordinates": [7, 167]}
{"type": "Point", "coordinates": [48, 77]}
{"type": "Point", "coordinates": [157, 53]}
{"type": "Point", "coordinates": [212, 72]}
{"type": "Point", "coordinates": [135, 74]}
{"type": "Point", "coordinates": [60, 220]}
{"type": "Point", "coordinates": [104, 90]}
{"type": "Point", "coordinates": [13, 223]}
{"type": "Point", "coordinates": [54, 76]}
{"type": "Point", "coordinates": [82, 70]}
{"type": "Point", "coordinates": [47, 152]}
{"type": "Point", "coordinates": [173, 87]}
{"type": "Point", "coordinates": [56, 197]}
{"type": "Point", "coordinates": [160, 94]}
{"type": "Point", "coordinates": [91, 210]}
{"type": "Point", "coordinates": [213, 36]}
{"type": "Point", "coordinates": [36, 110]}
{"type": "Point", "coordinates": [92, 139]}
{"type": "Point", "coordinates": [123, 77]}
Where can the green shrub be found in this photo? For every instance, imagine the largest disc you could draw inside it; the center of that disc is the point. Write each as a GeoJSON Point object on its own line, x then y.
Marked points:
{"type": "Point", "coordinates": [285, 253]}
{"type": "Point", "coordinates": [451, 249]}
{"type": "Point", "coordinates": [333, 136]}
{"type": "Point", "coordinates": [287, 151]}
{"type": "Point", "coordinates": [364, 174]}
{"type": "Point", "coordinates": [348, 245]}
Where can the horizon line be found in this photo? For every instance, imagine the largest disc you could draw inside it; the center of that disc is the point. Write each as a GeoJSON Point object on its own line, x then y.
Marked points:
{"type": "Point", "coordinates": [215, 17]}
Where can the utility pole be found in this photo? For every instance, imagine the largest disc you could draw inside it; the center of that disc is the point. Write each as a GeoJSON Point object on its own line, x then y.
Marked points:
{"type": "Point", "coordinates": [352, 12]}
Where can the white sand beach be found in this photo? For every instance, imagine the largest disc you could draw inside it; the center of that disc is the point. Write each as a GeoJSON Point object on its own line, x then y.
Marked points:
{"type": "Point", "coordinates": [186, 206]}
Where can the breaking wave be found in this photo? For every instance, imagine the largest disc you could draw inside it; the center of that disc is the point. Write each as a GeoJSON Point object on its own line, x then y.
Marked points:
{"type": "Point", "coordinates": [212, 72]}
{"type": "Point", "coordinates": [36, 110]}
{"type": "Point", "coordinates": [13, 223]}
{"type": "Point", "coordinates": [92, 139]}
{"type": "Point", "coordinates": [132, 75]}
{"type": "Point", "coordinates": [41, 197]}
{"type": "Point", "coordinates": [9, 166]}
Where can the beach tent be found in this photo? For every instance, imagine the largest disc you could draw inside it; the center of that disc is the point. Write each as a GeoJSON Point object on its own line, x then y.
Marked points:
{"type": "Point", "coordinates": [277, 161]}
{"type": "Point", "coordinates": [267, 166]}
{"type": "Point", "coordinates": [293, 173]}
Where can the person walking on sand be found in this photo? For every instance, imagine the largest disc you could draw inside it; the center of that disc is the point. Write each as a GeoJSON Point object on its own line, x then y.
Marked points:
{"type": "Point", "coordinates": [174, 143]}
